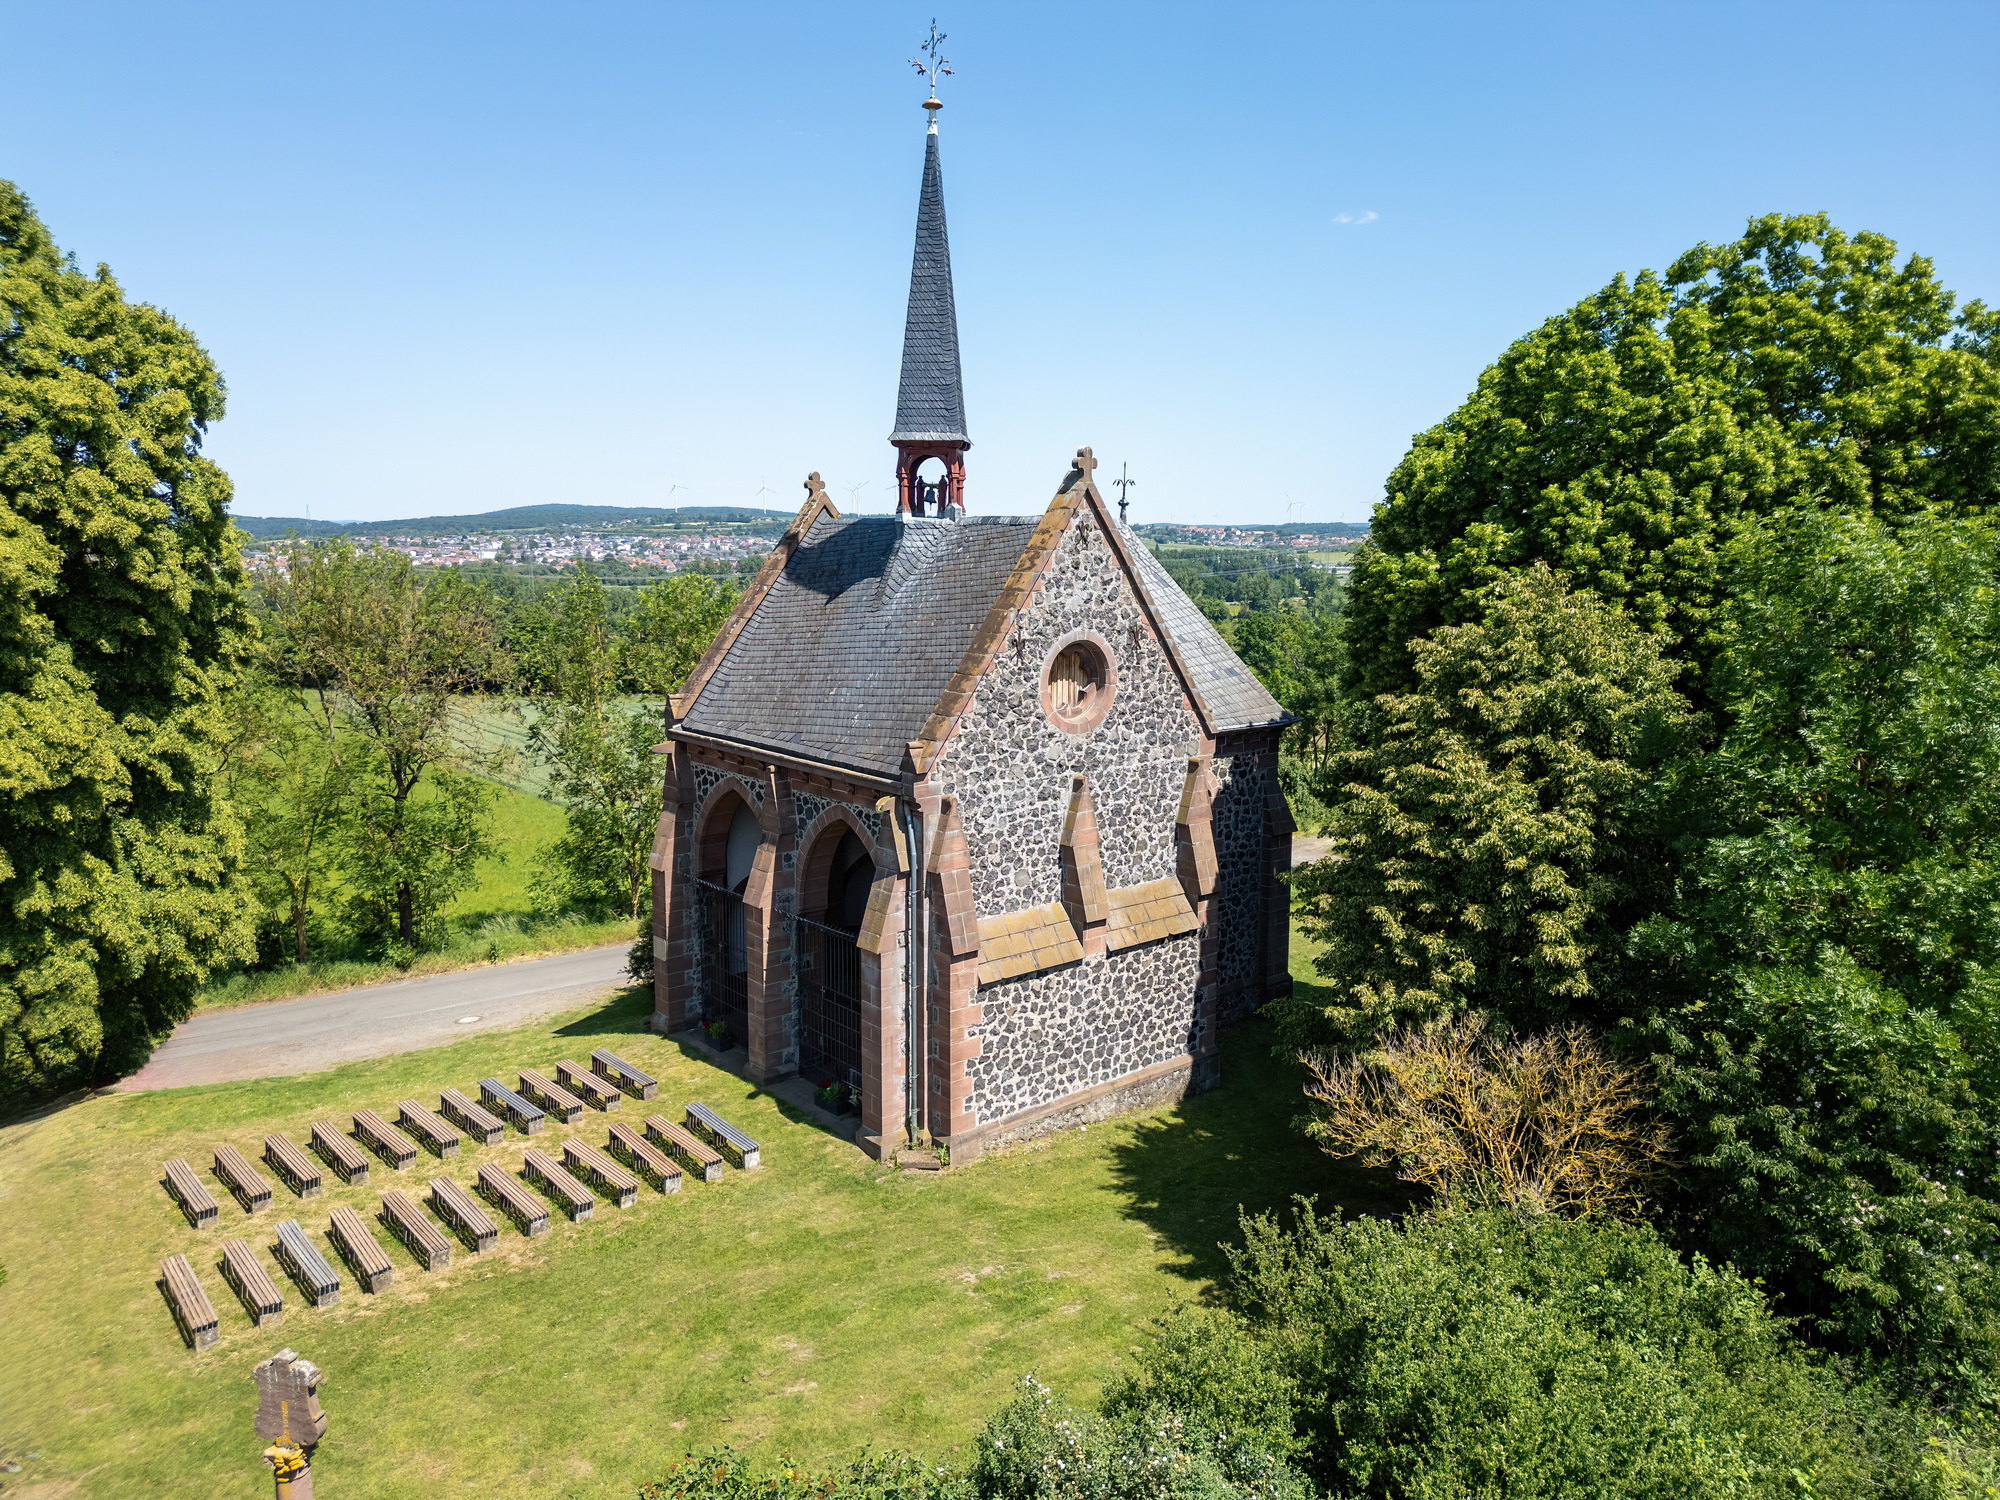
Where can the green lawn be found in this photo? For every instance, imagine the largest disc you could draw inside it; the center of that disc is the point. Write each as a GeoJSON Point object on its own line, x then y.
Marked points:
{"type": "Point", "coordinates": [818, 1304]}
{"type": "Point", "coordinates": [490, 922]}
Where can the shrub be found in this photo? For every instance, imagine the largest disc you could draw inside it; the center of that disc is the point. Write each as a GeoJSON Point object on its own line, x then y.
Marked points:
{"type": "Point", "coordinates": [1472, 1353]}
{"type": "Point", "coordinates": [1540, 1124]}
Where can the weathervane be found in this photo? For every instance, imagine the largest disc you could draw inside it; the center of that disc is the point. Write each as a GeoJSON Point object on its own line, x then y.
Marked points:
{"type": "Point", "coordinates": [1124, 483]}
{"type": "Point", "coordinates": [936, 66]}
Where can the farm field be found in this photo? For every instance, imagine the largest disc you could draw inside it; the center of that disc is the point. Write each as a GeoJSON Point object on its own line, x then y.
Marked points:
{"type": "Point", "coordinates": [798, 1307]}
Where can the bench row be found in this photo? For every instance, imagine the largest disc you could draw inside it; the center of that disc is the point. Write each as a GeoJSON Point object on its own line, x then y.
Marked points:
{"type": "Point", "coordinates": [651, 1156]}
{"type": "Point", "coordinates": [708, 1136]}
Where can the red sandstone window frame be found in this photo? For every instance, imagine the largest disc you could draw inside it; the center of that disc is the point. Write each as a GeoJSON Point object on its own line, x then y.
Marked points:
{"type": "Point", "coordinates": [1072, 704]}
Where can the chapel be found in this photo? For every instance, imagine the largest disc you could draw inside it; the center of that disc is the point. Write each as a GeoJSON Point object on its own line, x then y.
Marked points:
{"type": "Point", "coordinates": [975, 816]}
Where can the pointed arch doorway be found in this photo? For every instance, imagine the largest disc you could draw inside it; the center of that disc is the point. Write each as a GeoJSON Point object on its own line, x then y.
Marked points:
{"type": "Point", "coordinates": [840, 871]}
{"type": "Point", "coordinates": [731, 851]}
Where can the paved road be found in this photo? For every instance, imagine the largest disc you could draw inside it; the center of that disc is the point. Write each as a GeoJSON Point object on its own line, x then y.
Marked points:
{"type": "Point", "coordinates": [1306, 849]}
{"type": "Point", "coordinates": [303, 1036]}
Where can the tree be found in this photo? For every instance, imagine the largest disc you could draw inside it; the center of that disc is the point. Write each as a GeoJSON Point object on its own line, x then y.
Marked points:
{"type": "Point", "coordinates": [600, 756]}
{"type": "Point", "coordinates": [122, 627]}
{"type": "Point", "coordinates": [291, 781]}
{"type": "Point", "coordinates": [1486, 849]}
{"type": "Point", "coordinates": [1824, 994]}
{"type": "Point", "coordinates": [671, 629]}
{"type": "Point", "coordinates": [1624, 441]}
{"type": "Point", "coordinates": [387, 653]}
{"type": "Point", "coordinates": [1296, 653]}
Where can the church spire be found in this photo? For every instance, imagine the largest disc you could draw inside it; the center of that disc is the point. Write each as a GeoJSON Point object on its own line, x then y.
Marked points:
{"type": "Point", "coordinates": [930, 401]}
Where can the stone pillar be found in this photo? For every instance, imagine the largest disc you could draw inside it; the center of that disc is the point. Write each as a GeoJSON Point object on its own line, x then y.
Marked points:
{"type": "Point", "coordinates": [954, 995]}
{"type": "Point", "coordinates": [767, 930]}
{"type": "Point", "coordinates": [883, 954]}
{"type": "Point", "coordinates": [1278, 831]}
{"type": "Point", "coordinates": [676, 945]}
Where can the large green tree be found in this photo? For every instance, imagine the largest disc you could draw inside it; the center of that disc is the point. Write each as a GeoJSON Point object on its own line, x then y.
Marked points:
{"type": "Point", "coordinates": [1485, 850]}
{"type": "Point", "coordinates": [1822, 1002]}
{"type": "Point", "coordinates": [1626, 440]}
{"type": "Point", "coordinates": [122, 625]}
{"type": "Point", "coordinates": [389, 654]}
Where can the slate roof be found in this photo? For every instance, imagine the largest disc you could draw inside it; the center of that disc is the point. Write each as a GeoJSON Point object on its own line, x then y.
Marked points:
{"type": "Point", "coordinates": [930, 401]}
{"type": "Point", "coordinates": [1235, 698]}
{"type": "Point", "coordinates": [846, 657]}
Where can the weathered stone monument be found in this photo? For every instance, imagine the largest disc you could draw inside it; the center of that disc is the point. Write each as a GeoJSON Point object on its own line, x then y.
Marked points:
{"type": "Point", "coordinates": [289, 1419]}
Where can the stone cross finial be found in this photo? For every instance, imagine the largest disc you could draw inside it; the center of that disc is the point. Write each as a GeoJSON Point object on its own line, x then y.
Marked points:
{"type": "Point", "coordinates": [815, 487]}
{"type": "Point", "coordinates": [287, 1408]}
{"type": "Point", "coordinates": [1085, 462]}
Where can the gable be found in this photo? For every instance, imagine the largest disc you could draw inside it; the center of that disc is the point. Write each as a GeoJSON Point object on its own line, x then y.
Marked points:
{"type": "Point", "coordinates": [864, 638]}
{"type": "Point", "coordinates": [846, 654]}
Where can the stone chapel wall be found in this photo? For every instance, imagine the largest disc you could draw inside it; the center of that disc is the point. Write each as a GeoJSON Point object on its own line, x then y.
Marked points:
{"type": "Point", "coordinates": [1237, 910]}
{"type": "Point", "coordinates": [1046, 1036]}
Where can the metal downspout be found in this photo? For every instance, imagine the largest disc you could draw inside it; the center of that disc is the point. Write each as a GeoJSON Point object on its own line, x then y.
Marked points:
{"type": "Point", "coordinates": [914, 959]}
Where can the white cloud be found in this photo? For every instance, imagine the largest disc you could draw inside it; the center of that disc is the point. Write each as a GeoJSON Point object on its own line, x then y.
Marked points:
{"type": "Point", "coordinates": [1366, 216]}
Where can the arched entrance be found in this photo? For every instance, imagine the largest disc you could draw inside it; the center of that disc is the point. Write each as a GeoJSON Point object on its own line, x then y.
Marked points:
{"type": "Point", "coordinates": [729, 849]}
{"type": "Point", "coordinates": [839, 873]}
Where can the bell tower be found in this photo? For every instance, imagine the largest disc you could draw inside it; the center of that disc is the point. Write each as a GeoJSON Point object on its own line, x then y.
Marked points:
{"type": "Point", "coordinates": [930, 399]}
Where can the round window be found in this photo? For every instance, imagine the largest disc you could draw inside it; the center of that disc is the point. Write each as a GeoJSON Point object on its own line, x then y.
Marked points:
{"type": "Point", "coordinates": [1077, 686]}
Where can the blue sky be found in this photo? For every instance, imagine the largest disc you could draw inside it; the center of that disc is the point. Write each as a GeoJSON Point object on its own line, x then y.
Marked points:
{"type": "Point", "coordinates": [453, 257]}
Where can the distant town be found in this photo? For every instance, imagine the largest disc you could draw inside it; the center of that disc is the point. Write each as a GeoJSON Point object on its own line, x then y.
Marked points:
{"type": "Point", "coordinates": [708, 539]}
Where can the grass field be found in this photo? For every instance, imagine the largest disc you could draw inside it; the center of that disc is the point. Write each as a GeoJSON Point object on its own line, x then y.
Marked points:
{"type": "Point", "coordinates": [815, 1305]}
{"type": "Point", "coordinates": [490, 922]}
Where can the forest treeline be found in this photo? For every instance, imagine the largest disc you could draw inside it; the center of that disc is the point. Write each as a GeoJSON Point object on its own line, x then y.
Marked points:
{"type": "Point", "coordinates": [1656, 737]}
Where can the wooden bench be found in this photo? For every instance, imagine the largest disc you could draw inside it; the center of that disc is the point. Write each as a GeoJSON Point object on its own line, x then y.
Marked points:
{"type": "Point", "coordinates": [496, 1096]}
{"type": "Point", "coordinates": [722, 1135]}
{"type": "Point", "coordinates": [587, 1086]}
{"type": "Point", "coordinates": [192, 1309]}
{"type": "Point", "coordinates": [559, 1102]}
{"type": "Point", "coordinates": [601, 1172]}
{"type": "Point", "coordinates": [243, 1271]}
{"type": "Point", "coordinates": [339, 1153]}
{"type": "Point", "coordinates": [540, 1167]}
{"type": "Point", "coordinates": [612, 1067]}
{"type": "Point", "coordinates": [461, 1210]}
{"type": "Point", "coordinates": [187, 1190]}
{"type": "Point", "coordinates": [701, 1158]}
{"type": "Point", "coordinates": [293, 1165]}
{"type": "Point", "coordinates": [242, 1179]}
{"type": "Point", "coordinates": [308, 1267]}
{"type": "Point", "coordinates": [469, 1117]}
{"type": "Point", "coordinates": [389, 1143]}
{"type": "Point", "coordinates": [402, 1218]}
{"type": "Point", "coordinates": [643, 1157]}
{"type": "Point", "coordinates": [358, 1248]}
{"type": "Point", "coordinates": [428, 1128]}
{"type": "Point", "coordinates": [507, 1195]}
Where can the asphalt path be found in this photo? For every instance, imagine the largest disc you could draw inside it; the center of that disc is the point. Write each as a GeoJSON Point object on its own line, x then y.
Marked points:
{"type": "Point", "coordinates": [319, 1031]}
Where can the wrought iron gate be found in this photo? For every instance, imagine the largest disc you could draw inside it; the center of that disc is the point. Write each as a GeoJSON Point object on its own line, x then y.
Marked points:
{"type": "Point", "coordinates": [828, 968]}
{"type": "Point", "coordinates": [725, 965]}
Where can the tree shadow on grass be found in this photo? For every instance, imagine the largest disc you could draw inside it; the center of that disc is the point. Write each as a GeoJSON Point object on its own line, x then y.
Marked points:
{"type": "Point", "coordinates": [628, 1010]}
{"type": "Point", "coordinates": [1235, 1150]}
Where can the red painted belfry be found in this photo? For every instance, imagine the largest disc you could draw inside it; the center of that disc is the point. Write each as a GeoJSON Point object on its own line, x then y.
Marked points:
{"type": "Point", "coordinates": [930, 399]}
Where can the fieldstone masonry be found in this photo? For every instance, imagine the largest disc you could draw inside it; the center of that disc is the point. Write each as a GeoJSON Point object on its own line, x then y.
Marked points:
{"type": "Point", "coordinates": [897, 671]}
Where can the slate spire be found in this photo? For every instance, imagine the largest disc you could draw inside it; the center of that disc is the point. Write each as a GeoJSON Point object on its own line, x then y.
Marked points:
{"type": "Point", "coordinates": [930, 400]}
